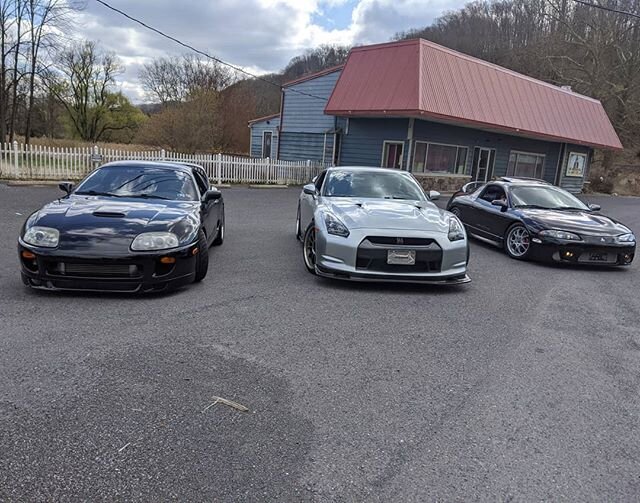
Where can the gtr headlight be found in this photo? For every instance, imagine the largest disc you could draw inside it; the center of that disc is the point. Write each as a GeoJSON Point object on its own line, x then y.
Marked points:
{"type": "Point", "coordinates": [154, 241]}
{"type": "Point", "coordinates": [335, 226]}
{"type": "Point", "coordinates": [456, 231]}
{"type": "Point", "coordinates": [566, 236]}
{"type": "Point", "coordinates": [42, 236]}
{"type": "Point", "coordinates": [626, 238]}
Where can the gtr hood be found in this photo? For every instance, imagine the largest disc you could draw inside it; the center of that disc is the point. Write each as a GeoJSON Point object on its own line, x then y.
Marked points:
{"type": "Point", "coordinates": [108, 225]}
{"type": "Point", "coordinates": [389, 214]}
{"type": "Point", "coordinates": [581, 222]}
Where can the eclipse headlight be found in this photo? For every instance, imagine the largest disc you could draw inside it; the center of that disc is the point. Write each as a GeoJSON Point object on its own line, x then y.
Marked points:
{"type": "Point", "coordinates": [42, 236]}
{"type": "Point", "coordinates": [154, 241]}
{"type": "Point", "coordinates": [456, 231]}
{"type": "Point", "coordinates": [626, 238]}
{"type": "Point", "coordinates": [335, 226]}
{"type": "Point", "coordinates": [564, 235]}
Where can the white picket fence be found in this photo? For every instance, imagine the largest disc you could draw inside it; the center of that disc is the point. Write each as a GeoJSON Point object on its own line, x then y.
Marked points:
{"type": "Point", "coordinates": [36, 162]}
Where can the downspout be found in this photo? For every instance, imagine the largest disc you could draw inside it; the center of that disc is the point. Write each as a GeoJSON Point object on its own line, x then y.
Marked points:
{"type": "Point", "coordinates": [279, 129]}
{"type": "Point", "coordinates": [410, 138]}
{"type": "Point", "coordinates": [324, 147]}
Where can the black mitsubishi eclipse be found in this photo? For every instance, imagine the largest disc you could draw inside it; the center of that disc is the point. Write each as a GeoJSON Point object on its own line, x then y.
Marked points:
{"type": "Point", "coordinates": [129, 226]}
{"type": "Point", "coordinates": [534, 219]}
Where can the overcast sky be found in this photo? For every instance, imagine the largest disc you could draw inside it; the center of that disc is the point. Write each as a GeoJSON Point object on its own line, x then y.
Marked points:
{"type": "Point", "coordinates": [258, 35]}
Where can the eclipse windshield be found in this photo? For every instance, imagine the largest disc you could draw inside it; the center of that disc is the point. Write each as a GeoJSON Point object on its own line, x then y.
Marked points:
{"type": "Point", "coordinates": [372, 184]}
{"type": "Point", "coordinates": [141, 182]}
{"type": "Point", "coordinates": [546, 197]}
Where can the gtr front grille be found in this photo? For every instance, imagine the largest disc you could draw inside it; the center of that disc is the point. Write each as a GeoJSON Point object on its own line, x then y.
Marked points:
{"type": "Point", "coordinates": [373, 251]}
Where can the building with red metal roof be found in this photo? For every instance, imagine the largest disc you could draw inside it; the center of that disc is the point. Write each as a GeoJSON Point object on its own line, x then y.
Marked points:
{"type": "Point", "coordinates": [443, 115]}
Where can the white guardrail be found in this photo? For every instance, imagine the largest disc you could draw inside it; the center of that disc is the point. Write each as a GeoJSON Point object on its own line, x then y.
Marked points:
{"type": "Point", "coordinates": [37, 162]}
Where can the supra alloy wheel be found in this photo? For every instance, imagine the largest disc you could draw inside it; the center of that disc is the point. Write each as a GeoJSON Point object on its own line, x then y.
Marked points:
{"type": "Point", "coordinates": [517, 242]}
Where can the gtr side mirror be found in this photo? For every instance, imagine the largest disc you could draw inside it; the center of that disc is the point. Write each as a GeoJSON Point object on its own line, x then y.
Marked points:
{"type": "Point", "coordinates": [66, 187]}
{"type": "Point", "coordinates": [309, 189]}
{"type": "Point", "coordinates": [594, 207]}
{"type": "Point", "coordinates": [212, 195]}
{"type": "Point", "coordinates": [500, 203]}
{"type": "Point", "coordinates": [434, 195]}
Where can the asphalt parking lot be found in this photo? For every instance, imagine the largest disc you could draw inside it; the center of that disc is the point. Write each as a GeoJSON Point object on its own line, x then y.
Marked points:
{"type": "Point", "coordinates": [523, 385]}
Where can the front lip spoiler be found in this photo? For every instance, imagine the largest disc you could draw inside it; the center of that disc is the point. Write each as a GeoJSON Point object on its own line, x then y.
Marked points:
{"type": "Point", "coordinates": [423, 280]}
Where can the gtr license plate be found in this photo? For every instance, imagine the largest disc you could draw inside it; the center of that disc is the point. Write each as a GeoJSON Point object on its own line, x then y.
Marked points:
{"type": "Point", "coordinates": [401, 257]}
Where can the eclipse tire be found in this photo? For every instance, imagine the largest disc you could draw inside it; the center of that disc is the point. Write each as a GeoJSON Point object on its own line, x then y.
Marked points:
{"type": "Point", "coordinates": [220, 237]}
{"type": "Point", "coordinates": [202, 258]}
{"type": "Point", "coordinates": [309, 248]}
{"type": "Point", "coordinates": [517, 242]}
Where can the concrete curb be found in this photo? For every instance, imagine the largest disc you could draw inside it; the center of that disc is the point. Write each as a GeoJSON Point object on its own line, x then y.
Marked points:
{"type": "Point", "coordinates": [266, 186]}
{"type": "Point", "coordinates": [32, 183]}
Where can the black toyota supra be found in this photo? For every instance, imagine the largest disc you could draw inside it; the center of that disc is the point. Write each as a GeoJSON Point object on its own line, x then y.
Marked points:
{"type": "Point", "coordinates": [129, 226]}
{"type": "Point", "coordinates": [534, 219]}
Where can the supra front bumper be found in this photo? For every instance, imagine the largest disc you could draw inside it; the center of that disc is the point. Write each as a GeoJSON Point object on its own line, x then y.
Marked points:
{"type": "Point", "coordinates": [357, 258]}
{"type": "Point", "coordinates": [583, 253]}
{"type": "Point", "coordinates": [137, 272]}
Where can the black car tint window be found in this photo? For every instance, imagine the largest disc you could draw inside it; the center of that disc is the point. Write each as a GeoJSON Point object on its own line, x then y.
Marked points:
{"type": "Point", "coordinates": [320, 179]}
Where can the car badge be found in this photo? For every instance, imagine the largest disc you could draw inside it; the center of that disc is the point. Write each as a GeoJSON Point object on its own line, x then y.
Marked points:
{"type": "Point", "coordinates": [399, 241]}
{"type": "Point", "coordinates": [603, 240]}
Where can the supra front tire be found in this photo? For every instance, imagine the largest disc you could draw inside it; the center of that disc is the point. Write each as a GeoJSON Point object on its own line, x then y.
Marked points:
{"type": "Point", "coordinates": [220, 237]}
{"type": "Point", "coordinates": [517, 242]}
{"type": "Point", "coordinates": [202, 257]}
{"type": "Point", "coordinates": [309, 248]}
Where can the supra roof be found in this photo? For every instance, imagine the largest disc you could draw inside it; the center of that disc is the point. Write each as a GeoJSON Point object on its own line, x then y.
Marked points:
{"type": "Point", "coordinates": [153, 164]}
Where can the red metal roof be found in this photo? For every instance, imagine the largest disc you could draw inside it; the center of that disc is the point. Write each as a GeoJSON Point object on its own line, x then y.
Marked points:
{"type": "Point", "coordinates": [417, 78]}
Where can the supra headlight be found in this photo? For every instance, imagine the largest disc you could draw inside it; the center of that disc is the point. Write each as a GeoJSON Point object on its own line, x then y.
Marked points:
{"type": "Point", "coordinates": [626, 238]}
{"type": "Point", "coordinates": [567, 236]}
{"type": "Point", "coordinates": [155, 241]}
{"type": "Point", "coordinates": [335, 225]}
{"type": "Point", "coordinates": [42, 236]}
{"type": "Point", "coordinates": [456, 231]}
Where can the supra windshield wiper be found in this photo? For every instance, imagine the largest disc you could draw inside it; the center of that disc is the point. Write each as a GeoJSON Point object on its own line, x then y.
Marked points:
{"type": "Point", "coordinates": [96, 193]}
{"type": "Point", "coordinates": [569, 208]}
{"type": "Point", "coordinates": [532, 206]}
{"type": "Point", "coordinates": [147, 196]}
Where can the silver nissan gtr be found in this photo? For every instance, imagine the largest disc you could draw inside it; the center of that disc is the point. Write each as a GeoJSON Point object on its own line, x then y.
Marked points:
{"type": "Point", "coordinates": [377, 224]}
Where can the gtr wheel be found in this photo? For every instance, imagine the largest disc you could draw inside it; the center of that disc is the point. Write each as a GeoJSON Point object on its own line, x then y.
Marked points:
{"type": "Point", "coordinates": [309, 248]}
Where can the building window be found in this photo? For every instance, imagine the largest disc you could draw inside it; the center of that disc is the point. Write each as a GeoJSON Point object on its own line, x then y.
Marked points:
{"type": "Point", "coordinates": [392, 154]}
{"type": "Point", "coordinates": [526, 164]}
{"type": "Point", "coordinates": [437, 157]}
{"type": "Point", "coordinates": [266, 144]}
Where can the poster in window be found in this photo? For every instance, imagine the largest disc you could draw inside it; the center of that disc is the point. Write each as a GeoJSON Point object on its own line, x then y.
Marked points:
{"type": "Point", "coordinates": [576, 165]}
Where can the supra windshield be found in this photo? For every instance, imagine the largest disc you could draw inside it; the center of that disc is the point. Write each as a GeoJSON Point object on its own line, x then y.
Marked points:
{"type": "Point", "coordinates": [373, 184]}
{"type": "Point", "coordinates": [142, 182]}
{"type": "Point", "coordinates": [547, 197]}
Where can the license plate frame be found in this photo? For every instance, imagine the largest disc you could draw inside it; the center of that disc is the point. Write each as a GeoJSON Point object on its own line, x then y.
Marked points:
{"type": "Point", "coordinates": [401, 257]}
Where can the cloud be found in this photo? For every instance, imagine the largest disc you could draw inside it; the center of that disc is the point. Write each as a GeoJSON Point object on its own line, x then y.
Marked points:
{"type": "Point", "coordinates": [259, 34]}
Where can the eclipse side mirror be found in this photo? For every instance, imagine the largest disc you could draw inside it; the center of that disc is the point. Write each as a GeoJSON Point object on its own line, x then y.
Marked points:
{"type": "Point", "coordinates": [500, 203]}
{"type": "Point", "coordinates": [66, 187]}
{"type": "Point", "coordinates": [212, 195]}
{"type": "Point", "coordinates": [434, 195]}
{"type": "Point", "coordinates": [309, 189]}
{"type": "Point", "coordinates": [594, 207]}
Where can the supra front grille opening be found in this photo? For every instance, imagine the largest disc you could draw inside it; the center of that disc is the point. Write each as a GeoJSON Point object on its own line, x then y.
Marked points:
{"type": "Point", "coordinates": [89, 269]}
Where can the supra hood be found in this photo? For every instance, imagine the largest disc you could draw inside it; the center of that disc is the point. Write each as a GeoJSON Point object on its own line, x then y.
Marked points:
{"type": "Point", "coordinates": [388, 214]}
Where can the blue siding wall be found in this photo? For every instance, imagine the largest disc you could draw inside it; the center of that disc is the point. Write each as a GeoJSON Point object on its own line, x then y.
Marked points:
{"type": "Point", "coordinates": [257, 129]}
{"type": "Point", "coordinates": [296, 146]}
{"type": "Point", "coordinates": [362, 146]}
{"type": "Point", "coordinates": [305, 114]}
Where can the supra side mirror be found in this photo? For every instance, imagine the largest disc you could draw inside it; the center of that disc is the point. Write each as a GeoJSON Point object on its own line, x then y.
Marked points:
{"type": "Point", "coordinates": [501, 203]}
{"type": "Point", "coordinates": [212, 195]}
{"type": "Point", "coordinates": [66, 187]}
{"type": "Point", "coordinates": [309, 189]}
{"type": "Point", "coordinates": [594, 207]}
{"type": "Point", "coordinates": [434, 195]}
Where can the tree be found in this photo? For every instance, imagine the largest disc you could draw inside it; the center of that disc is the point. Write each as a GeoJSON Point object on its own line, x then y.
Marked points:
{"type": "Point", "coordinates": [315, 60]}
{"type": "Point", "coordinates": [82, 80]}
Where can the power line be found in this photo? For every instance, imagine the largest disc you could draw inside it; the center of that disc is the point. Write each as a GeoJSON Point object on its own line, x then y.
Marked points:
{"type": "Point", "coordinates": [604, 7]}
{"type": "Point", "coordinates": [202, 53]}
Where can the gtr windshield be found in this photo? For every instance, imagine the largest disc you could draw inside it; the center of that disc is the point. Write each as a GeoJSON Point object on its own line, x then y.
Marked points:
{"type": "Point", "coordinates": [140, 182]}
{"type": "Point", "coordinates": [372, 184]}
